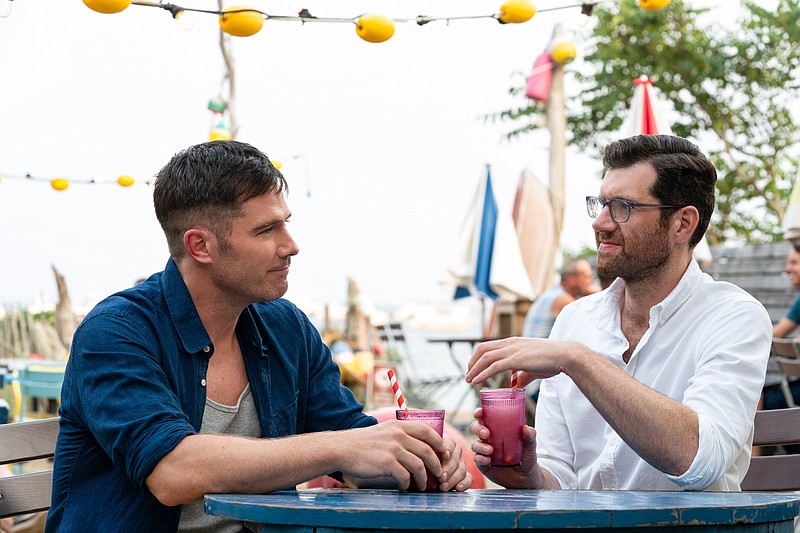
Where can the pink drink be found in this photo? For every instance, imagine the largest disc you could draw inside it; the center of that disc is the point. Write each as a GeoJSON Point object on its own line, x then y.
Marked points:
{"type": "Point", "coordinates": [433, 418]}
{"type": "Point", "coordinates": [504, 416]}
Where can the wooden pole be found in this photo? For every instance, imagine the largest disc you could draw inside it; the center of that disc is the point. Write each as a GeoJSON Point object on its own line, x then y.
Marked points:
{"type": "Point", "coordinates": [230, 78]}
{"type": "Point", "coordinates": [557, 124]}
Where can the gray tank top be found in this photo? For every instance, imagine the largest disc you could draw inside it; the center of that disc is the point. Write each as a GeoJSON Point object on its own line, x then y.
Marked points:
{"type": "Point", "coordinates": [240, 419]}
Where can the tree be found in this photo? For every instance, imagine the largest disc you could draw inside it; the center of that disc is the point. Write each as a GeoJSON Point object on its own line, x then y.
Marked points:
{"type": "Point", "coordinates": [732, 90]}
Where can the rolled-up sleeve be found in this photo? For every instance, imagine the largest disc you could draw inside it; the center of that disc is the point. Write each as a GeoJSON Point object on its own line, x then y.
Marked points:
{"type": "Point", "coordinates": [724, 393]}
{"type": "Point", "coordinates": [121, 393]}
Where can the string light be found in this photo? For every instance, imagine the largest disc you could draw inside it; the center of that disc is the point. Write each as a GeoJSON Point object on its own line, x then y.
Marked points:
{"type": "Point", "coordinates": [184, 22]}
{"type": "Point", "coordinates": [243, 21]}
{"type": "Point", "coordinates": [61, 183]}
{"type": "Point", "coordinates": [586, 14]}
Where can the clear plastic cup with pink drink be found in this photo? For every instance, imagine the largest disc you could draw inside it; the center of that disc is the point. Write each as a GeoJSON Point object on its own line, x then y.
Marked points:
{"type": "Point", "coordinates": [504, 416]}
{"type": "Point", "coordinates": [433, 418]}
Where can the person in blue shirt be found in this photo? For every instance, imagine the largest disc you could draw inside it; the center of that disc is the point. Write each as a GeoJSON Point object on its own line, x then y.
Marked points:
{"type": "Point", "coordinates": [202, 379]}
{"type": "Point", "coordinates": [787, 324]}
{"type": "Point", "coordinates": [773, 397]}
{"type": "Point", "coordinates": [576, 281]}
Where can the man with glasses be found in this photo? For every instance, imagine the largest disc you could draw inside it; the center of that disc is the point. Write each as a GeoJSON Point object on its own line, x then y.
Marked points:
{"type": "Point", "coordinates": [653, 383]}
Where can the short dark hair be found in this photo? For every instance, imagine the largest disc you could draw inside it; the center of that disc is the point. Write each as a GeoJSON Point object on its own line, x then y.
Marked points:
{"type": "Point", "coordinates": [206, 184]}
{"type": "Point", "coordinates": [684, 175]}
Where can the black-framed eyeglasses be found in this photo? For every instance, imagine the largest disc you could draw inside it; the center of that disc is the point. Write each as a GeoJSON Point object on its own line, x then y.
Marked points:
{"type": "Point", "coordinates": [619, 209]}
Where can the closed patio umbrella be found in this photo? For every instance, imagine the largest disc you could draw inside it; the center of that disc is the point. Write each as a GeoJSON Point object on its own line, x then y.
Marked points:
{"type": "Point", "coordinates": [488, 262]}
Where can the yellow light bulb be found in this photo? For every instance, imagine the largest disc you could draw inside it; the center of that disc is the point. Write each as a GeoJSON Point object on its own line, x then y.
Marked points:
{"type": "Point", "coordinates": [125, 181]}
{"type": "Point", "coordinates": [220, 133]}
{"type": "Point", "coordinates": [107, 6]}
{"type": "Point", "coordinates": [516, 11]}
{"type": "Point", "coordinates": [654, 5]}
{"type": "Point", "coordinates": [59, 184]}
{"type": "Point", "coordinates": [240, 22]}
{"type": "Point", "coordinates": [374, 28]}
{"type": "Point", "coordinates": [563, 52]}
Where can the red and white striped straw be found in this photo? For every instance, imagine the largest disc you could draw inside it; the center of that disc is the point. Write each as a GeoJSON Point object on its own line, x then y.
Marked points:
{"type": "Point", "coordinates": [514, 379]}
{"type": "Point", "coordinates": [401, 402]}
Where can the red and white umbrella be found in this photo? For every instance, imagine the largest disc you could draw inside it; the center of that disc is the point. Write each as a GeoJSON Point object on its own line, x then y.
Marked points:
{"type": "Point", "coordinates": [646, 118]}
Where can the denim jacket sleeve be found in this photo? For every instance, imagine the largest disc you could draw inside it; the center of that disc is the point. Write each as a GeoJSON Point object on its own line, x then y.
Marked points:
{"type": "Point", "coordinates": [119, 390]}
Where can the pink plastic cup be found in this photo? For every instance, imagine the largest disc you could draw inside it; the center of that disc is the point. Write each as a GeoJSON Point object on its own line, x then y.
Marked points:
{"type": "Point", "coordinates": [430, 417]}
{"type": "Point", "coordinates": [504, 416]}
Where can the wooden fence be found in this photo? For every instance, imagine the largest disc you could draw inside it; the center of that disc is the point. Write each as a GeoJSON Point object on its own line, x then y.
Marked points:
{"type": "Point", "coordinates": [22, 334]}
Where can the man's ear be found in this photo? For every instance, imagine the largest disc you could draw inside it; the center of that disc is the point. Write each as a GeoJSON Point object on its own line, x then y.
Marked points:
{"type": "Point", "coordinates": [688, 219]}
{"type": "Point", "coordinates": [199, 244]}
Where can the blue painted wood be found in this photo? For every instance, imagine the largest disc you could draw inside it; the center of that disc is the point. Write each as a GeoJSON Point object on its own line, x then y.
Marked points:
{"type": "Point", "coordinates": [498, 509]}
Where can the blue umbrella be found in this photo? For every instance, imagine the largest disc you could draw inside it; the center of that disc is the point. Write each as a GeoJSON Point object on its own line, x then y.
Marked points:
{"type": "Point", "coordinates": [488, 261]}
{"type": "Point", "coordinates": [486, 232]}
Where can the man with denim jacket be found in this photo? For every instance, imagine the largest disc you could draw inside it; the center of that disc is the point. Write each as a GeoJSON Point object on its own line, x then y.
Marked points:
{"type": "Point", "coordinates": [201, 379]}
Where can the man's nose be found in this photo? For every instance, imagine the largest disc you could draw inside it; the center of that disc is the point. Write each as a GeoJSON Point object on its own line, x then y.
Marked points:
{"type": "Point", "coordinates": [288, 246]}
{"type": "Point", "coordinates": [603, 222]}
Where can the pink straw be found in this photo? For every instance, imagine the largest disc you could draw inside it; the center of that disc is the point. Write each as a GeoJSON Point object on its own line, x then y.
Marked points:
{"type": "Point", "coordinates": [401, 402]}
{"type": "Point", "coordinates": [514, 379]}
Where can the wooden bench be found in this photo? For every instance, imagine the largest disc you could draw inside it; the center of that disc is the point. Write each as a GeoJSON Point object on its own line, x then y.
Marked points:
{"type": "Point", "coordinates": [776, 427]}
{"type": "Point", "coordinates": [27, 441]}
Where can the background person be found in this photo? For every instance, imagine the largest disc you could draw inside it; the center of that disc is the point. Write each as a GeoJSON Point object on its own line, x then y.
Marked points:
{"type": "Point", "coordinates": [653, 383]}
{"type": "Point", "coordinates": [576, 281]}
{"type": "Point", "coordinates": [773, 395]}
{"type": "Point", "coordinates": [787, 324]}
{"type": "Point", "coordinates": [203, 379]}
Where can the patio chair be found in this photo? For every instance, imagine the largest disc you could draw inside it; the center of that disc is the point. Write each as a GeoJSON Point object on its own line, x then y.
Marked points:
{"type": "Point", "coordinates": [20, 442]}
{"type": "Point", "coordinates": [785, 352]}
{"type": "Point", "coordinates": [775, 427]}
{"type": "Point", "coordinates": [40, 380]}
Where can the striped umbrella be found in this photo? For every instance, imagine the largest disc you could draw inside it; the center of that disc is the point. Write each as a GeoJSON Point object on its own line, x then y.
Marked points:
{"type": "Point", "coordinates": [488, 262]}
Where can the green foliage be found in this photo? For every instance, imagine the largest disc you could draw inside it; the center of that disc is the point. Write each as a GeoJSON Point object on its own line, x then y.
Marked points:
{"type": "Point", "coordinates": [587, 252]}
{"type": "Point", "coordinates": [731, 91]}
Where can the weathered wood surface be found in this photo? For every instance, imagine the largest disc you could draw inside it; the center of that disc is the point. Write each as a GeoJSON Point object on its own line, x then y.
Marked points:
{"type": "Point", "coordinates": [24, 441]}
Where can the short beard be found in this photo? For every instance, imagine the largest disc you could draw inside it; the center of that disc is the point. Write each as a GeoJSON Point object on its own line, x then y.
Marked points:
{"type": "Point", "coordinates": [641, 264]}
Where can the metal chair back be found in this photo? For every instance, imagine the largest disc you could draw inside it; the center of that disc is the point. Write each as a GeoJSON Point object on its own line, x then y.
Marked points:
{"type": "Point", "coordinates": [786, 353]}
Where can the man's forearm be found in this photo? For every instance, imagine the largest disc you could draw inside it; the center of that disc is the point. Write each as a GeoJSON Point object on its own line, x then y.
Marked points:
{"type": "Point", "coordinates": [661, 430]}
{"type": "Point", "coordinates": [203, 464]}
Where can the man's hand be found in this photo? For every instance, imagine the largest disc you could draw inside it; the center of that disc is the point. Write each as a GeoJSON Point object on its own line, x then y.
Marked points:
{"type": "Point", "coordinates": [455, 475]}
{"type": "Point", "coordinates": [527, 475]}
{"type": "Point", "coordinates": [534, 358]}
{"type": "Point", "coordinates": [392, 453]}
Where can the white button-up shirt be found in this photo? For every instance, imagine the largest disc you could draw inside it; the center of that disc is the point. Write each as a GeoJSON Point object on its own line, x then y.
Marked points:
{"type": "Point", "coordinates": [707, 347]}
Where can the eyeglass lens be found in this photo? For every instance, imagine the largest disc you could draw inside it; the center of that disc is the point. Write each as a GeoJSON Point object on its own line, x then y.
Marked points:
{"type": "Point", "coordinates": [620, 211]}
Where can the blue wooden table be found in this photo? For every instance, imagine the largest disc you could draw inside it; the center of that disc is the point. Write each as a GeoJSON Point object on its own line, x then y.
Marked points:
{"type": "Point", "coordinates": [334, 510]}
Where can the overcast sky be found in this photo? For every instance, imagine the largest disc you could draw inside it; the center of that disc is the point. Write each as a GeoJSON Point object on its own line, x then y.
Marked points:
{"type": "Point", "coordinates": [389, 137]}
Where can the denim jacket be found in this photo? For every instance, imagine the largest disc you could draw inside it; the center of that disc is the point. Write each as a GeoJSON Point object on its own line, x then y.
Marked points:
{"type": "Point", "coordinates": [135, 387]}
